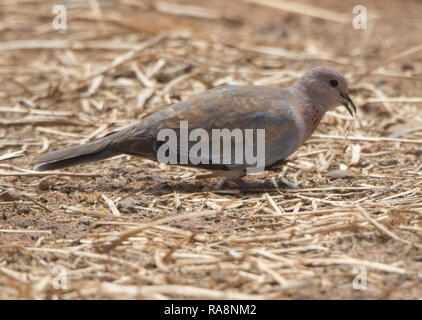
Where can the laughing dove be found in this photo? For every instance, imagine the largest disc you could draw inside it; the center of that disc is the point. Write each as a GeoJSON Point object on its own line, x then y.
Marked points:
{"type": "Point", "coordinates": [288, 116]}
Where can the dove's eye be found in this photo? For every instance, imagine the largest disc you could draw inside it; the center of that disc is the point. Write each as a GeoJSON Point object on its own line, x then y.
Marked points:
{"type": "Point", "coordinates": [334, 83]}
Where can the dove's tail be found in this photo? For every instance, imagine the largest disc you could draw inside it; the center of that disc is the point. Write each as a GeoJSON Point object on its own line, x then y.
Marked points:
{"type": "Point", "coordinates": [74, 155]}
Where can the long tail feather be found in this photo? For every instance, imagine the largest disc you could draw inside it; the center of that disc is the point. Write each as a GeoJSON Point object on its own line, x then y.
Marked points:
{"type": "Point", "coordinates": [74, 155]}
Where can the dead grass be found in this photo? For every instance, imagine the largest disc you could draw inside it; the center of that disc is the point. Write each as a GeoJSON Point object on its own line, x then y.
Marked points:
{"type": "Point", "coordinates": [131, 228]}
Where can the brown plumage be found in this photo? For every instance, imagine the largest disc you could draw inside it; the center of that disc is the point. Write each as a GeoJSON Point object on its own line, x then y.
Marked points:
{"type": "Point", "coordinates": [288, 115]}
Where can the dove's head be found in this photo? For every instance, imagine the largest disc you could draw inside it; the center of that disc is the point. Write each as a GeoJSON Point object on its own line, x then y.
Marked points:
{"type": "Point", "coordinates": [326, 88]}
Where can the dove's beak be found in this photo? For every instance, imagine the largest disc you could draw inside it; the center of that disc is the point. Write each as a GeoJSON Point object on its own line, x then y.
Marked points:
{"type": "Point", "coordinates": [345, 102]}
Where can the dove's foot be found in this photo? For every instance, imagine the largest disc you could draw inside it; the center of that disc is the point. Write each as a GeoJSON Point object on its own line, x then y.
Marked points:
{"type": "Point", "coordinates": [220, 184]}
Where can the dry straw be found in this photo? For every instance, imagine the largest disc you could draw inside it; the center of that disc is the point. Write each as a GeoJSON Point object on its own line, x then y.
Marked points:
{"type": "Point", "coordinates": [130, 228]}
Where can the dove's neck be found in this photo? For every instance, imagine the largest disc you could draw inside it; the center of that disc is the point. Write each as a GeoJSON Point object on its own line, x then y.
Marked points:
{"type": "Point", "coordinates": [309, 109]}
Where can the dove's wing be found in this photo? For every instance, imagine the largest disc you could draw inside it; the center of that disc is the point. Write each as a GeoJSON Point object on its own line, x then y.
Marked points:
{"type": "Point", "coordinates": [230, 107]}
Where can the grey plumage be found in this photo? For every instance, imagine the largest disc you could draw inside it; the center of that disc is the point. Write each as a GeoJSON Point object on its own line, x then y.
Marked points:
{"type": "Point", "coordinates": [288, 116]}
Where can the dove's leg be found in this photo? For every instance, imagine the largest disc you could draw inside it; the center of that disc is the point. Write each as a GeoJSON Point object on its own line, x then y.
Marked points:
{"type": "Point", "coordinates": [220, 183]}
{"type": "Point", "coordinates": [226, 176]}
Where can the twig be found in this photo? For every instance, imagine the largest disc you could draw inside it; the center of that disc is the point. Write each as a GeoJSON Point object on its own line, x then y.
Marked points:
{"type": "Point", "coordinates": [383, 229]}
{"type": "Point", "coordinates": [304, 9]}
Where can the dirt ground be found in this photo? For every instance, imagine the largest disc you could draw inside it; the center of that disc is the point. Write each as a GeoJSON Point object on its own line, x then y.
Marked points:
{"type": "Point", "coordinates": [345, 221]}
